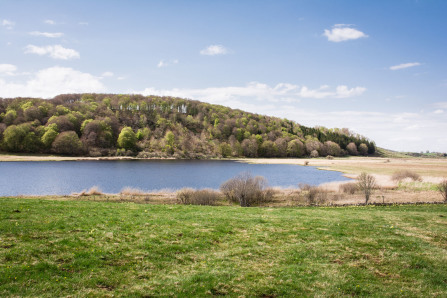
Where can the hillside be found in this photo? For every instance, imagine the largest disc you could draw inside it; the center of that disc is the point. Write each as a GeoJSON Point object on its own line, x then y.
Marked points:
{"type": "Point", "coordinates": [152, 126]}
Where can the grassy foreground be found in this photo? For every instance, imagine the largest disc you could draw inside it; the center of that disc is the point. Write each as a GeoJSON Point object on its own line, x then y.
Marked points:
{"type": "Point", "coordinates": [60, 248]}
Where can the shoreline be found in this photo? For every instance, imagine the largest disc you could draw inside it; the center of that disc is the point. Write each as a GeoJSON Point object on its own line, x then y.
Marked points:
{"type": "Point", "coordinates": [430, 169]}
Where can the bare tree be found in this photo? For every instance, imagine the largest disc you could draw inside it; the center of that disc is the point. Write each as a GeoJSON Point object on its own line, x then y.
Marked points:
{"type": "Point", "coordinates": [442, 187]}
{"type": "Point", "coordinates": [366, 183]}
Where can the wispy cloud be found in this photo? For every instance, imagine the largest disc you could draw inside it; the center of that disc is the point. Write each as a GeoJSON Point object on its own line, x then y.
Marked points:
{"type": "Point", "coordinates": [107, 74]}
{"type": "Point", "coordinates": [83, 23]}
{"type": "Point", "coordinates": [404, 65]}
{"type": "Point", "coordinates": [49, 22]}
{"type": "Point", "coordinates": [343, 32]}
{"type": "Point", "coordinates": [282, 92]}
{"type": "Point", "coordinates": [52, 81]}
{"type": "Point", "coordinates": [7, 69]}
{"type": "Point", "coordinates": [164, 63]}
{"type": "Point", "coordinates": [441, 105]}
{"type": "Point", "coordinates": [439, 111]}
{"type": "Point", "coordinates": [214, 50]}
{"type": "Point", "coordinates": [54, 51]}
{"type": "Point", "coordinates": [47, 34]}
{"type": "Point", "coordinates": [8, 24]}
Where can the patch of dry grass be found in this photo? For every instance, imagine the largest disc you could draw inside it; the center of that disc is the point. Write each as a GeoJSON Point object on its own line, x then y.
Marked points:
{"type": "Point", "coordinates": [373, 165]}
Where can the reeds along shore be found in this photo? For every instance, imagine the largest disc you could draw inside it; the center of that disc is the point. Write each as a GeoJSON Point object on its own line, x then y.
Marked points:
{"type": "Point", "coordinates": [387, 191]}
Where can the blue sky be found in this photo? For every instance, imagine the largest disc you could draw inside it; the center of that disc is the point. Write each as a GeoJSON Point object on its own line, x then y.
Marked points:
{"type": "Point", "coordinates": [376, 67]}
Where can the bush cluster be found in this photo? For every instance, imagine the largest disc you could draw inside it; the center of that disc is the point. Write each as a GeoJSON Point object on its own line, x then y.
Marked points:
{"type": "Point", "coordinates": [189, 196]}
{"type": "Point", "coordinates": [246, 190]}
{"type": "Point", "coordinates": [401, 175]}
{"type": "Point", "coordinates": [313, 195]}
{"type": "Point", "coordinates": [349, 188]}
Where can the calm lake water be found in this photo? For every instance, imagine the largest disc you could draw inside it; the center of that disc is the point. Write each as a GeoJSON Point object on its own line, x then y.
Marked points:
{"type": "Point", "coordinates": [66, 177]}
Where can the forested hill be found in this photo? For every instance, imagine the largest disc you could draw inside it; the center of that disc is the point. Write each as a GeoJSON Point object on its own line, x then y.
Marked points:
{"type": "Point", "coordinates": [152, 126]}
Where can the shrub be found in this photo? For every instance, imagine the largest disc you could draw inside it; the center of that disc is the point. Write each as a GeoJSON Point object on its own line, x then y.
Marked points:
{"type": "Point", "coordinates": [366, 183]}
{"type": "Point", "coordinates": [442, 188]}
{"type": "Point", "coordinates": [401, 175]}
{"type": "Point", "coordinates": [129, 191]}
{"type": "Point", "coordinates": [189, 196]}
{"type": "Point", "coordinates": [246, 190]}
{"type": "Point", "coordinates": [350, 188]}
{"type": "Point", "coordinates": [93, 191]}
{"type": "Point", "coordinates": [314, 195]}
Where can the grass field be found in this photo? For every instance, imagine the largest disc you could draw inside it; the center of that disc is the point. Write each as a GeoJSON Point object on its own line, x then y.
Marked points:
{"type": "Point", "coordinates": [82, 248]}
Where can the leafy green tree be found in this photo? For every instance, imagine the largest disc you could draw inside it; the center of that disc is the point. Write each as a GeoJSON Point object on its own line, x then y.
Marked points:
{"type": "Point", "coordinates": [10, 116]}
{"type": "Point", "coordinates": [67, 143]}
{"type": "Point", "coordinates": [170, 142]}
{"type": "Point", "coordinates": [20, 138]}
{"type": "Point", "coordinates": [363, 149]}
{"type": "Point", "coordinates": [295, 148]}
{"type": "Point", "coordinates": [127, 139]}
{"type": "Point", "coordinates": [49, 136]}
{"type": "Point", "coordinates": [268, 149]}
{"type": "Point", "coordinates": [225, 149]}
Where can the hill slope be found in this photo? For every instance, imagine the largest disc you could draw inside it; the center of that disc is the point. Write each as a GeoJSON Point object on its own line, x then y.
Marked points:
{"type": "Point", "coordinates": [152, 126]}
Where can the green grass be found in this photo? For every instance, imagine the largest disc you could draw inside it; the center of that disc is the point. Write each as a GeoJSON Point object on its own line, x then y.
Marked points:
{"type": "Point", "coordinates": [61, 248]}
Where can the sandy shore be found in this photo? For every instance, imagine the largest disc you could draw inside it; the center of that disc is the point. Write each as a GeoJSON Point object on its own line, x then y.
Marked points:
{"type": "Point", "coordinates": [431, 170]}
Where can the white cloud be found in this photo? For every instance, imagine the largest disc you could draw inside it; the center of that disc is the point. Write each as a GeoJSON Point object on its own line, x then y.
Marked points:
{"type": "Point", "coordinates": [7, 69]}
{"type": "Point", "coordinates": [441, 105]}
{"type": "Point", "coordinates": [52, 81]}
{"type": "Point", "coordinates": [213, 50]}
{"type": "Point", "coordinates": [55, 51]}
{"type": "Point", "coordinates": [439, 111]}
{"type": "Point", "coordinates": [121, 78]}
{"type": "Point", "coordinates": [83, 23]}
{"type": "Point", "coordinates": [107, 74]}
{"type": "Point", "coordinates": [282, 92]}
{"type": "Point", "coordinates": [8, 24]}
{"type": "Point", "coordinates": [345, 92]}
{"type": "Point", "coordinates": [343, 32]}
{"type": "Point", "coordinates": [404, 65]}
{"type": "Point", "coordinates": [164, 63]}
{"type": "Point", "coordinates": [49, 22]}
{"type": "Point", "coordinates": [47, 34]}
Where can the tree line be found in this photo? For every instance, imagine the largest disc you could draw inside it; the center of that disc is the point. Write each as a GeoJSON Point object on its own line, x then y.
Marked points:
{"type": "Point", "coordinates": [154, 126]}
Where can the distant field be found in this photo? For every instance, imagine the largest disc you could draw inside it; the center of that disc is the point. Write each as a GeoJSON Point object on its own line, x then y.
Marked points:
{"type": "Point", "coordinates": [432, 167]}
{"type": "Point", "coordinates": [81, 248]}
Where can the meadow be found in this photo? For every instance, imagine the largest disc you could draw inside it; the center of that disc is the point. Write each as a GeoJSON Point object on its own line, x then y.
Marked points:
{"type": "Point", "coordinates": [69, 247]}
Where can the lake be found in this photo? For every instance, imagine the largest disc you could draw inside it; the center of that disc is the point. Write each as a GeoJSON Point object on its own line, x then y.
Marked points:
{"type": "Point", "coordinates": [66, 177]}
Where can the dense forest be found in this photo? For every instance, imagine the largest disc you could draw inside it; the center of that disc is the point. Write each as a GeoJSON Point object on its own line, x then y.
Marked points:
{"type": "Point", "coordinates": [158, 127]}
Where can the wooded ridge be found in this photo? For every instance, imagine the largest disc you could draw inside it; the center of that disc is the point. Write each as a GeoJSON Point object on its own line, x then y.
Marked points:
{"type": "Point", "coordinates": [158, 127]}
